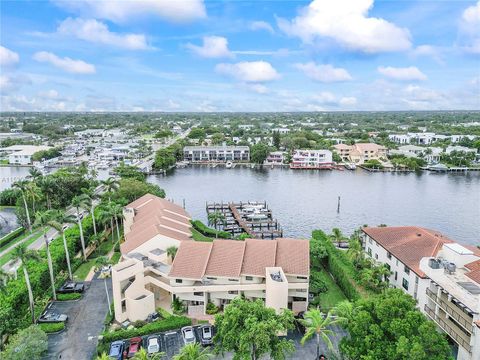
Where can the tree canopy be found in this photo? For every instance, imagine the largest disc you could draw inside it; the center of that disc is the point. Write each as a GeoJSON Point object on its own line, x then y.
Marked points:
{"type": "Point", "coordinates": [29, 343]}
{"type": "Point", "coordinates": [251, 330]}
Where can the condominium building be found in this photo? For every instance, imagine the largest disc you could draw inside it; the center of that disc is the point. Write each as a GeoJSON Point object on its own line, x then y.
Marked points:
{"type": "Point", "coordinates": [276, 271]}
{"type": "Point", "coordinates": [216, 153]}
{"type": "Point", "coordinates": [361, 152]}
{"type": "Point", "coordinates": [275, 158]}
{"type": "Point", "coordinates": [442, 275]}
{"type": "Point", "coordinates": [311, 159]}
{"type": "Point", "coordinates": [22, 154]}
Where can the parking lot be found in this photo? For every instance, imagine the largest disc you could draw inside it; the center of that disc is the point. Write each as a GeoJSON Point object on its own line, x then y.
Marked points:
{"type": "Point", "coordinates": [85, 322]}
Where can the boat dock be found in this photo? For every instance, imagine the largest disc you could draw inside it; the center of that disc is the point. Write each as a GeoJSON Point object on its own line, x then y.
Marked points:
{"type": "Point", "coordinates": [252, 217]}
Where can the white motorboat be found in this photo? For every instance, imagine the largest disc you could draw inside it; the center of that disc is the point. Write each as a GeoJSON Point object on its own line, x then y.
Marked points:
{"type": "Point", "coordinates": [228, 164]}
{"type": "Point", "coordinates": [350, 166]}
{"type": "Point", "coordinates": [256, 215]}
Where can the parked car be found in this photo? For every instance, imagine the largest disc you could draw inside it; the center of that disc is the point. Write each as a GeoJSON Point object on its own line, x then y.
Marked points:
{"type": "Point", "coordinates": [71, 287]}
{"type": "Point", "coordinates": [206, 334]}
{"type": "Point", "coordinates": [116, 350]}
{"type": "Point", "coordinates": [52, 317]}
{"type": "Point", "coordinates": [153, 344]}
{"type": "Point", "coordinates": [152, 317]}
{"type": "Point", "coordinates": [188, 335]}
{"type": "Point", "coordinates": [134, 346]}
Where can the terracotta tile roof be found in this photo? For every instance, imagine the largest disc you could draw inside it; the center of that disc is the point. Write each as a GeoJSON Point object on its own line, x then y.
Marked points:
{"type": "Point", "coordinates": [155, 216]}
{"type": "Point", "coordinates": [191, 260]}
{"type": "Point", "coordinates": [293, 256]}
{"type": "Point", "coordinates": [258, 255]}
{"type": "Point", "coordinates": [368, 147]}
{"type": "Point", "coordinates": [474, 275]}
{"type": "Point", "coordinates": [473, 266]}
{"type": "Point", "coordinates": [226, 258]}
{"type": "Point", "coordinates": [477, 323]}
{"type": "Point", "coordinates": [473, 248]}
{"type": "Point", "coordinates": [409, 244]}
{"type": "Point", "coordinates": [342, 147]}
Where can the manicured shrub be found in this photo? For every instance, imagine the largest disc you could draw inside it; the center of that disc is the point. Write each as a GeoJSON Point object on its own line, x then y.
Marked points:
{"type": "Point", "coordinates": [67, 297]}
{"type": "Point", "coordinates": [205, 230]}
{"type": "Point", "coordinates": [52, 327]}
{"type": "Point", "coordinates": [7, 239]}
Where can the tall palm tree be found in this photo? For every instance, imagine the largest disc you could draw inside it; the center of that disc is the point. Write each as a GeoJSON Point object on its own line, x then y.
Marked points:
{"type": "Point", "coordinates": [42, 218]}
{"type": "Point", "coordinates": [78, 202]}
{"type": "Point", "coordinates": [316, 323]}
{"type": "Point", "coordinates": [172, 251]}
{"type": "Point", "coordinates": [47, 185]}
{"type": "Point", "coordinates": [90, 196]}
{"type": "Point", "coordinates": [34, 193]}
{"type": "Point", "coordinates": [216, 218]}
{"type": "Point", "coordinates": [34, 174]}
{"type": "Point", "coordinates": [104, 356]}
{"type": "Point", "coordinates": [193, 352]}
{"type": "Point", "coordinates": [117, 212]}
{"type": "Point", "coordinates": [22, 186]}
{"type": "Point", "coordinates": [105, 216]}
{"type": "Point", "coordinates": [22, 254]}
{"type": "Point", "coordinates": [58, 224]}
{"type": "Point", "coordinates": [337, 236]}
{"type": "Point", "coordinates": [111, 184]}
{"type": "Point", "coordinates": [355, 252]}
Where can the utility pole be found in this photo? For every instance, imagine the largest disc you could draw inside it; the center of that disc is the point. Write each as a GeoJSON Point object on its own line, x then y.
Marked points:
{"type": "Point", "coordinates": [338, 205]}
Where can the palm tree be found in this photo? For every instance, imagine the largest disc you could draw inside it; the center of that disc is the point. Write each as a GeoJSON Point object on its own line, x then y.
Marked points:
{"type": "Point", "coordinates": [58, 224]}
{"type": "Point", "coordinates": [104, 356]}
{"type": "Point", "coordinates": [22, 186]}
{"type": "Point", "coordinates": [346, 310]}
{"type": "Point", "coordinates": [42, 218]}
{"type": "Point", "coordinates": [90, 196]}
{"type": "Point", "coordinates": [117, 211]}
{"type": "Point", "coordinates": [216, 218]}
{"type": "Point", "coordinates": [47, 185]}
{"type": "Point", "coordinates": [142, 354]}
{"type": "Point", "coordinates": [22, 254]}
{"type": "Point", "coordinates": [337, 236]}
{"type": "Point", "coordinates": [78, 202]}
{"type": "Point", "coordinates": [193, 352]}
{"type": "Point", "coordinates": [172, 251]}
{"type": "Point", "coordinates": [34, 174]}
{"type": "Point", "coordinates": [4, 277]}
{"type": "Point", "coordinates": [355, 252]}
{"type": "Point", "coordinates": [106, 215]}
{"type": "Point", "coordinates": [33, 191]}
{"type": "Point", "coordinates": [111, 184]}
{"type": "Point", "coordinates": [316, 323]}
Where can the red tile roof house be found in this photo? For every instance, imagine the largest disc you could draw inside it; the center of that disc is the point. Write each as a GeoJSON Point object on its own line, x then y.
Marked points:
{"type": "Point", "coordinates": [442, 275]}
{"type": "Point", "coordinates": [276, 271]}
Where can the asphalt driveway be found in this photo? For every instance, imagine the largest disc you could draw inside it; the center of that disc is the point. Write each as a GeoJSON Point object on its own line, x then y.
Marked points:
{"type": "Point", "coordinates": [85, 323]}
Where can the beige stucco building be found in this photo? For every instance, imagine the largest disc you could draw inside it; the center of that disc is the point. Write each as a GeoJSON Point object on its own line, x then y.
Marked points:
{"type": "Point", "coordinates": [361, 152]}
{"type": "Point", "coordinates": [276, 271]}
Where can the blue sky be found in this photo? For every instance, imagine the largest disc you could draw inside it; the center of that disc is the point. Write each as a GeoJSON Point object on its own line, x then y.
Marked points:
{"type": "Point", "coordinates": [195, 55]}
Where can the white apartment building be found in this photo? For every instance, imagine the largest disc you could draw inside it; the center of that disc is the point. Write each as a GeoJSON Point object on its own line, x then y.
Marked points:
{"type": "Point", "coordinates": [216, 153]}
{"type": "Point", "coordinates": [275, 158]}
{"type": "Point", "coordinates": [276, 271]}
{"type": "Point", "coordinates": [430, 154]}
{"type": "Point", "coordinates": [22, 154]}
{"type": "Point", "coordinates": [311, 159]}
{"type": "Point", "coordinates": [443, 276]}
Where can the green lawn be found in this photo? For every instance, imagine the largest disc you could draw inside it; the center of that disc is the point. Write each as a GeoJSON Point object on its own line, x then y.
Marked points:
{"type": "Point", "coordinates": [7, 257]}
{"type": "Point", "coordinates": [115, 257]}
{"type": "Point", "coordinates": [83, 270]}
{"type": "Point", "coordinates": [333, 295]}
{"type": "Point", "coordinates": [197, 236]}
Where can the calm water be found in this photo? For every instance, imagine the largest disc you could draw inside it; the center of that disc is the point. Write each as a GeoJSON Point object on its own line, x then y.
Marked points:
{"type": "Point", "coordinates": [307, 200]}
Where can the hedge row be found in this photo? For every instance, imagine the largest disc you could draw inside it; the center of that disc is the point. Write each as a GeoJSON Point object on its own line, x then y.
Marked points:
{"type": "Point", "coordinates": [338, 266]}
{"type": "Point", "coordinates": [7, 239]}
{"type": "Point", "coordinates": [170, 323]}
{"type": "Point", "coordinates": [52, 327]}
{"type": "Point", "coordinates": [14, 309]}
{"type": "Point", "coordinates": [205, 230]}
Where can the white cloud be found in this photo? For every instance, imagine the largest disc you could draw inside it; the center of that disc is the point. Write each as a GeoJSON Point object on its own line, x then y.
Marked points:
{"type": "Point", "coordinates": [327, 98]}
{"type": "Point", "coordinates": [95, 31]}
{"type": "Point", "coordinates": [347, 23]}
{"type": "Point", "coordinates": [348, 101]}
{"type": "Point", "coordinates": [8, 57]}
{"type": "Point", "coordinates": [430, 51]}
{"type": "Point", "coordinates": [405, 74]}
{"type": "Point", "coordinates": [324, 73]}
{"type": "Point", "coordinates": [470, 29]}
{"type": "Point", "coordinates": [66, 64]}
{"type": "Point", "coordinates": [123, 10]}
{"type": "Point", "coordinates": [213, 47]}
{"type": "Point", "coordinates": [249, 71]}
{"type": "Point", "coordinates": [49, 94]}
{"type": "Point", "coordinates": [172, 104]}
{"type": "Point", "coordinates": [258, 88]}
{"type": "Point", "coordinates": [261, 25]}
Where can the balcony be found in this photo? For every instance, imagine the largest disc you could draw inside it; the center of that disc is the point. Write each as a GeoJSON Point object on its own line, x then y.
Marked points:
{"type": "Point", "coordinates": [453, 311]}
{"type": "Point", "coordinates": [450, 328]}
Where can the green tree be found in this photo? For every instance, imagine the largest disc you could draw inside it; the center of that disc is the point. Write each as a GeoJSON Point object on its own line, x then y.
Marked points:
{"type": "Point", "coordinates": [251, 330]}
{"type": "Point", "coordinates": [89, 197]}
{"type": "Point", "coordinates": [197, 133]}
{"type": "Point", "coordinates": [172, 251]}
{"type": "Point", "coordinates": [215, 218]}
{"type": "Point", "coordinates": [22, 254]}
{"type": "Point", "coordinates": [193, 352]}
{"type": "Point", "coordinates": [317, 323]}
{"type": "Point", "coordinates": [337, 236]}
{"type": "Point", "coordinates": [34, 174]}
{"type": "Point", "coordinates": [78, 202]}
{"type": "Point", "coordinates": [22, 186]}
{"type": "Point", "coordinates": [259, 152]}
{"type": "Point", "coordinates": [47, 186]}
{"type": "Point", "coordinates": [131, 190]}
{"type": "Point", "coordinates": [164, 159]}
{"type": "Point", "coordinates": [395, 329]}
{"type": "Point", "coordinates": [110, 185]}
{"type": "Point", "coordinates": [58, 224]}
{"type": "Point", "coordinates": [129, 172]}
{"type": "Point", "coordinates": [42, 219]}
{"type": "Point", "coordinates": [29, 343]}
{"type": "Point", "coordinates": [276, 139]}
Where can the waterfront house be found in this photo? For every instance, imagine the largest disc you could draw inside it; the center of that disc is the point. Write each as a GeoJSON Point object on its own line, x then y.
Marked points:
{"type": "Point", "coordinates": [430, 154]}
{"type": "Point", "coordinates": [275, 271]}
{"type": "Point", "coordinates": [223, 153]}
{"type": "Point", "coordinates": [22, 154]}
{"type": "Point", "coordinates": [440, 274]}
{"type": "Point", "coordinates": [311, 159]}
{"type": "Point", "coordinates": [458, 148]}
{"type": "Point", "coordinates": [275, 158]}
{"type": "Point", "coordinates": [360, 152]}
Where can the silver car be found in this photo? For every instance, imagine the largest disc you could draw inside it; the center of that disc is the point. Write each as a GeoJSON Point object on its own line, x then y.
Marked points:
{"type": "Point", "coordinates": [153, 344]}
{"type": "Point", "coordinates": [188, 335]}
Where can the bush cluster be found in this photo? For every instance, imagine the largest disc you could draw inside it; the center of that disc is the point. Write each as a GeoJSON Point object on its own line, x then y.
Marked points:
{"type": "Point", "coordinates": [7, 239]}
{"type": "Point", "coordinates": [205, 230]}
{"type": "Point", "coordinates": [67, 297]}
{"type": "Point", "coordinates": [52, 327]}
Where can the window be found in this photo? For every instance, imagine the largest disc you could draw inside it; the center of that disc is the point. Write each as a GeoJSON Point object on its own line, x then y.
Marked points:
{"type": "Point", "coordinates": [370, 240]}
{"type": "Point", "coordinates": [178, 281]}
{"type": "Point", "coordinates": [233, 280]}
{"type": "Point", "coordinates": [302, 277]}
{"type": "Point", "coordinates": [231, 292]}
{"type": "Point", "coordinates": [405, 284]}
{"type": "Point", "coordinates": [396, 275]}
{"type": "Point", "coordinates": [376, 256]}
{"type": "Point", "coordinates": [198, 293]}
{"type": "Point", "coordinates": [250, 278]}
{"type": "Point", "coordinates": [211, 278]}
{"type": "Point", "coordinates": [370, 252]}
{"type": "Point", "coordinates": [389, 256]}
{"type": "Point", "coordinates": [406, 269]}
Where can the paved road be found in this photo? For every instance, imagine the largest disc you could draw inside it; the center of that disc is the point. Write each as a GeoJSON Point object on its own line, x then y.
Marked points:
{"type": "Point", "coordinates": [85, 323]}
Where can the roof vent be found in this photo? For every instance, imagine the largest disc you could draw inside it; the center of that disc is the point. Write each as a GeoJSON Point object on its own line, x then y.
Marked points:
{"type": "Point", "coordinates": [418, 234]}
